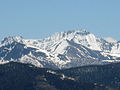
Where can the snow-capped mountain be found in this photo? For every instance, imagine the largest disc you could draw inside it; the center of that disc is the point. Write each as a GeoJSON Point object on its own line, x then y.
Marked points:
{"type": "Point", "coordinates": [61, 50]}
{"type": "Point", "coordinates": [82, 37]}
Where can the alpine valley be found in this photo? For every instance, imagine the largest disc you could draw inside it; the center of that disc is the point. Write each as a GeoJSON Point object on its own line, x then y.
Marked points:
{"type": "Point", "coordinates": [62, 50]}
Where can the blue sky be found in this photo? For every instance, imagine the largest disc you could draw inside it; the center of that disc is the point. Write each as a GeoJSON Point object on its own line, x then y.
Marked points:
{"type": "Point", "coordinates": [41, 18]}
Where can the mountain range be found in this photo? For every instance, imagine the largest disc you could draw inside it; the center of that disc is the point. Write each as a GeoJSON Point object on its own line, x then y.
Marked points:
{"type": "Point", "coordinates": [60, 51]}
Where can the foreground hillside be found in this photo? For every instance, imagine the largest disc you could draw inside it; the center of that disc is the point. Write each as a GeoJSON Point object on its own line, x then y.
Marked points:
{"type": "Point", "coordinates": [108, 75]}
{"type": "Point", "coordinates": [18, 76]}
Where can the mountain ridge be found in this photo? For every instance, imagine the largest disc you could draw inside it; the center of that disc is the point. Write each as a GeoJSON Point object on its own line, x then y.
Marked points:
{"type": "Point", "coordinates": [61, 50]}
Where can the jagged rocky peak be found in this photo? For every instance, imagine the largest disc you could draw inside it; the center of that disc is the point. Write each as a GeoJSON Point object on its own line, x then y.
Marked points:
{"type": "Point", "coordinates": [73, 32]}
{"type": "Point", "coordinates": [67, 35]}
{"type": "Point", "coordinates": [79, 32]}
{"type": "Point", "coordinates": [82, 37]}
{"type": "Point", "coordinates": [11, 39]}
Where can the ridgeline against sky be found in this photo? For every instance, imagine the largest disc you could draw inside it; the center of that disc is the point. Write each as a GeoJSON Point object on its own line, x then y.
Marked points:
{"type": "Point", "coordinates": [41, 18]}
